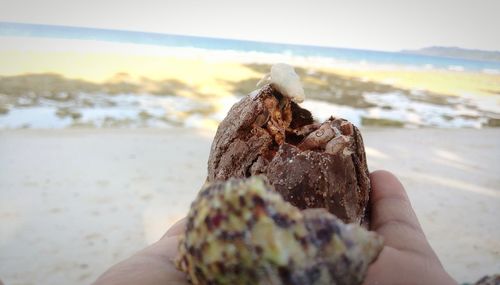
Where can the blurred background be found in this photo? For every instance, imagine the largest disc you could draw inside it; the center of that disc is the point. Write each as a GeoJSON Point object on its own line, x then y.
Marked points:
{"type": "Point", "coordinates": [108, 109]}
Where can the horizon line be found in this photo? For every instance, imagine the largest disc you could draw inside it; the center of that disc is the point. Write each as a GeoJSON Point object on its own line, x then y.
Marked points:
{"type": "Point", "coordinates": [137, 32]}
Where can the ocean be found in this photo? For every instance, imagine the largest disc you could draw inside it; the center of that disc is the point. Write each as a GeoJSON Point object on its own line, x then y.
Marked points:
{"type": "Point", "coordinates": [8, 29]}
{"type": "Point", "coordinates": [53, 99]}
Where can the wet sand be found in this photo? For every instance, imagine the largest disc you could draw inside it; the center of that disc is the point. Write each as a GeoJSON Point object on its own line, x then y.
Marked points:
{"type": "Point", "coordinates": [75, 201]}
{"type": "Point", "coordinates": [84, 83]}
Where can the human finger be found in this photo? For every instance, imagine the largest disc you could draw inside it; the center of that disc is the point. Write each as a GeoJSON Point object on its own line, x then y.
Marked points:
{"type": "Point", "coordinates": [176, 229]}
{"type": "Point", "coordinates": [391, 213]}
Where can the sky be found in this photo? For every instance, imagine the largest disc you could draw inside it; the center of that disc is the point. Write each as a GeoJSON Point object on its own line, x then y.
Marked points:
{"type": "Point", "coordinates": [389, 25]}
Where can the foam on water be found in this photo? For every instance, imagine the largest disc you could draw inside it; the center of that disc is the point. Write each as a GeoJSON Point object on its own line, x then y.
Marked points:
{"type": "Point", "coordinates": [421, 113]}
{"type": "Point", "coordinates": [244, 48]}
{"type": "Point", "coordinates": [145, 110]}
{"type": "Point", "coordinates": [322, 110]}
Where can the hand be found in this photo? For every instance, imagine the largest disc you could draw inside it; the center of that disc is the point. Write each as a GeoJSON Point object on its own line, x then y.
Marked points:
{"type": "Point", "coordinates": [407, 257]}
{"type": "Point", "coordinates": [151, 266]}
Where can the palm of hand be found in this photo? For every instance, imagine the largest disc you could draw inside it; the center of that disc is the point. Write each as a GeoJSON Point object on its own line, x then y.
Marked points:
{"type": "Point", "coordinates": [153, 265]}
{"type": "Point", "coordinates": [407, 257]}
{"type": "Point", "coordinates": [171, 242]}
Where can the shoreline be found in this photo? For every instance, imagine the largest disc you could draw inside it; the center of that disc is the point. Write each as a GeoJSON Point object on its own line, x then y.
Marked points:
{"type": "Point", "coordinates": [86, 83]}
{"type": "Point", "coordinates": [99, 61]}
{"type": "Point", "coordinates": [46, 43]}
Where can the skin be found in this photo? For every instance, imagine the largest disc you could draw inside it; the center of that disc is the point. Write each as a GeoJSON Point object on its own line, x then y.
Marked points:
{"type": "Point", "coordinates": [407, 257]}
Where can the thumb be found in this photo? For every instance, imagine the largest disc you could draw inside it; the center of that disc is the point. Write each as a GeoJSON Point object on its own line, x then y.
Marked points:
{"type": "Point", "coordinates": [392, 215]}
{"type": "Point", "coordinates": [407, 257]}
{"type": "Point", "coordinates": [176, 229]}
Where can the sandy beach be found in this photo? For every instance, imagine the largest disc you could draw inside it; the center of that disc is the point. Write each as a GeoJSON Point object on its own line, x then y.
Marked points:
{"type": "Point", "coordinates": [75, 201]}
{"type": "Point", "coordinates": [58, 83]}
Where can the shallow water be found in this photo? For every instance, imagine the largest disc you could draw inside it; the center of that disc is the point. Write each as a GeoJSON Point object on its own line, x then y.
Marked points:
{"type": "Point", "coordinates": [33, 117]}
{"type": "Point", "coordinates": [146, 110]}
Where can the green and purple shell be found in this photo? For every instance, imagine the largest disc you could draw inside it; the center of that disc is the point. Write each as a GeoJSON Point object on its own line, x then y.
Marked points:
{"type": "Point", "coordinates": [241, 231]}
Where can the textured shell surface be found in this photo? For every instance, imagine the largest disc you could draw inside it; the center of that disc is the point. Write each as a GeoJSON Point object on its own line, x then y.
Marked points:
{"type": "Point", "coordinates": [311, 164]}
{"type": "Point", "coordinates": [242, 232]}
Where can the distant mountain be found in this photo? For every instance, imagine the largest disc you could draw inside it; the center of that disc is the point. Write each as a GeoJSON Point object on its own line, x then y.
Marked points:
{"type": "Point", "coordinates": [455, 52]}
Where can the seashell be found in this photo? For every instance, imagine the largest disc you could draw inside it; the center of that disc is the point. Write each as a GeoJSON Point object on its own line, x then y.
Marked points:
{"type": "Point", "coordinates": [242, 232]}
{"type": "Point", "coordinates": [312, 164]}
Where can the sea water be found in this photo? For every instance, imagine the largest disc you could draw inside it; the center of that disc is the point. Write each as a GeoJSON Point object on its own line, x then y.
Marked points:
{"type": "Point", "coordinates": [341, 54]}
{"type": "Point", "coordinates": [146, 110]}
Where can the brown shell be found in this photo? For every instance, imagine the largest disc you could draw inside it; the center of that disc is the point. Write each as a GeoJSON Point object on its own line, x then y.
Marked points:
{"type": "Point", "coordinates": [269, 134]}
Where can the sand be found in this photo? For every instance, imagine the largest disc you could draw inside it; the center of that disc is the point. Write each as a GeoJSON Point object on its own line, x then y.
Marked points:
{"type": "Point", "coordinates": [213, 72]}
{"type": "Point", "coordinates": [73, 202]}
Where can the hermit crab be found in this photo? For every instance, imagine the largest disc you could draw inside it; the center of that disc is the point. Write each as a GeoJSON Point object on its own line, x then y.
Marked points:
{"type": "Point", "coordinates": [280, 187]}
{"type": "Point", "coordinates": [311, 164]}
{"type": "Point", "coordinates": [241, 231]}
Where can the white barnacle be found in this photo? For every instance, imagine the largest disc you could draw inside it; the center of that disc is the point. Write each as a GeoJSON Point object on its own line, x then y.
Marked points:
{"type": "Point", "coordinates": [286, 81]}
